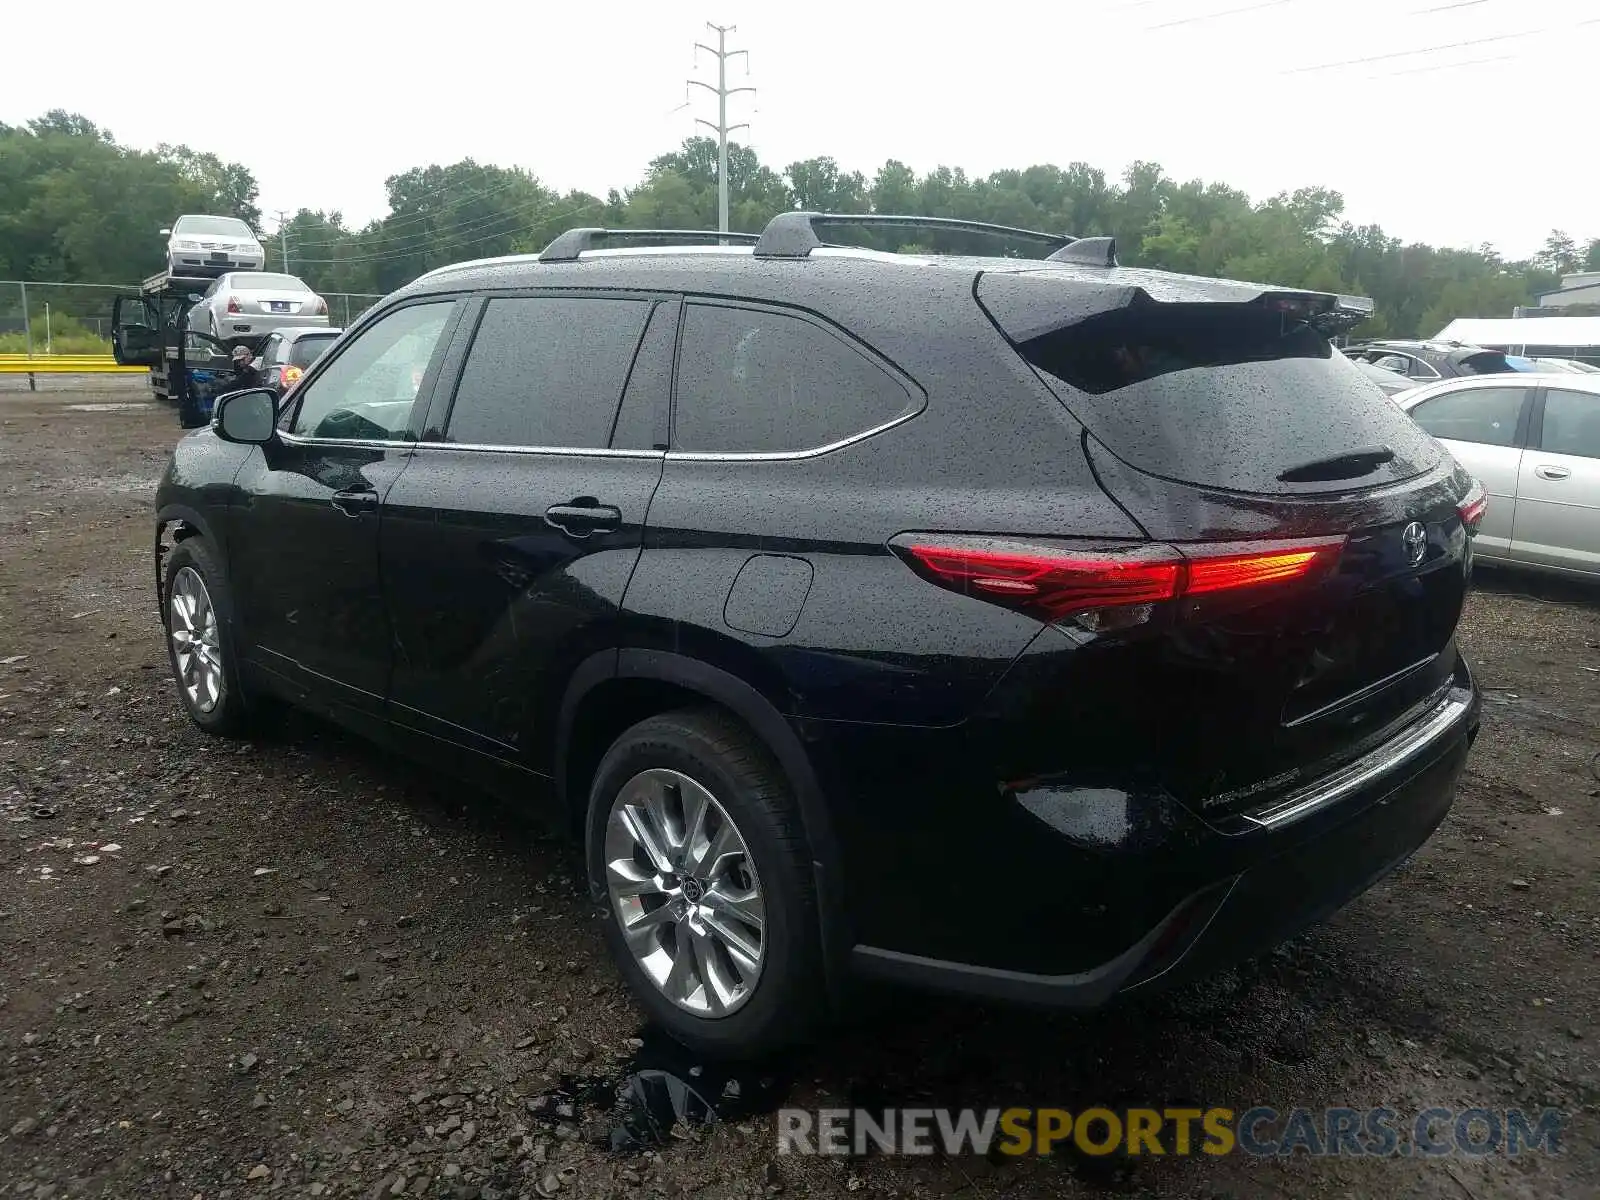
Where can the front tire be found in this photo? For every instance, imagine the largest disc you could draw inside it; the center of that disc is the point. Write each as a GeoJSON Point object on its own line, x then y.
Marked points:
{"type": "Point", "coordinates": [197, 608]}
{"type": "Point", "coordinates": [695, 842]}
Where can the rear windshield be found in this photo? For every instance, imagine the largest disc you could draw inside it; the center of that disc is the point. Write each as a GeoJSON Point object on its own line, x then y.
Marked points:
{"type": "Point", "coordinates": [1226, 395]}
{"type": "Point", "coordinates": [216, 226]}
{"type": "Point", "coordinates": [1486, 362]}
{"type": "Point", "coordinates": [305, 351]}
{"type": "Point", "coordinates": [266, 281]}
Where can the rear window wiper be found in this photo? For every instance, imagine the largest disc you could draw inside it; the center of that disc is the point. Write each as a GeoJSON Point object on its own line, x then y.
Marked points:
{"type": "Point", "coordinates": [1350, 465]}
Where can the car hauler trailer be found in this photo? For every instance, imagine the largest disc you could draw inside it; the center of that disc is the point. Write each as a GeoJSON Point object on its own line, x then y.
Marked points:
{"type": "Point", "coordinates": [186, 368]}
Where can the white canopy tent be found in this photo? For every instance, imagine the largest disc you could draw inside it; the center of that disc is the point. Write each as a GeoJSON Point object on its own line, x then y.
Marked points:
{"type": "Point", "coordinates": [1554, 337]}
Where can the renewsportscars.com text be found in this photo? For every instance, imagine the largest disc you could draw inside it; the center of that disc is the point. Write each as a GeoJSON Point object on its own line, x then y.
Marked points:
{"type": "Point", "coordinates": [1260, 1131]}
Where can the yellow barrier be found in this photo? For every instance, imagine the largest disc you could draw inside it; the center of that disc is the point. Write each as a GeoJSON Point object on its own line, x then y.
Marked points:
{"type": "Point", "coordinates": [64, 364]}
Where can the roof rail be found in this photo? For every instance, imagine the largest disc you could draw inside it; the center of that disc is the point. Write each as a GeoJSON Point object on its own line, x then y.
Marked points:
{"type": "Point", "coordinates": [1088, 252]}
{"type": "Point", "coordinates": [794, 234]}
{"type": "Point", "coordinates": [574, 242]}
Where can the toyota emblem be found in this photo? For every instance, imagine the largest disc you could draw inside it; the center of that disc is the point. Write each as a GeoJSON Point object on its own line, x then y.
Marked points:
{"type": "Point", "coordinates": [1415, 540]}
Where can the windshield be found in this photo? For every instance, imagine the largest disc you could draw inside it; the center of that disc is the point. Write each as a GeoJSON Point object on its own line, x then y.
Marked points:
{"type": "Point", "coordinates": [305, 351]}
{"type": "Point", "coordinates": [266, 281]}
{"type": "Point", "coordinates": [214, 227]}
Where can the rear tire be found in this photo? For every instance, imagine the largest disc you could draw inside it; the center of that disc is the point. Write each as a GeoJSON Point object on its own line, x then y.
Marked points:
{"type": "Point", "coordinates": [695, 842]}
{"type": "Point", "coordinates": [197, 610]}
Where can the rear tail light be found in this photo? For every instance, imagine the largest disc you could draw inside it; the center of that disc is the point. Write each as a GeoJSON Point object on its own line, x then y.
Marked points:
{"type": "Point", "coordinates": [1104, 587]}
{"type": "Point", "coordinates": [233, 304]}
{"type": "Point", "coordinates": [1472, 507]}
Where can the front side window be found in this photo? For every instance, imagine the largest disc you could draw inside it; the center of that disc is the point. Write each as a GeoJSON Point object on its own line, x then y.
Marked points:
{"type": "Point", "coordinates": [1487, 416]}
{"type": "Point", "coordinates": [546, 371]}
{"type": "Point", "coordinates": [1571, 423]}
{"type": "Point", "coordinates": [269, 352]}
{"type": "Point", "coordinates": [367, 392]}
{"type": "Point", "coordinates": [753, 381]}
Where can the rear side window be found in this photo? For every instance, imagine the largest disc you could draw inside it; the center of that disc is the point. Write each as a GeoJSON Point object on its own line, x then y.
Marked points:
{"type": "Point", "coordinates": [755, 381]}
{"type": "Point", "coordinates": [1487, 416]}
{"type": "Point", "coordinates": [1232, 396]}
{"type": "Point", "coordinates": [1571, 423]}
{"type": "Point", "coordinates": [546, 371]}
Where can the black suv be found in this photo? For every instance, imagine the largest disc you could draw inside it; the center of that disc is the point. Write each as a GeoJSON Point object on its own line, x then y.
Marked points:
{"type": "Point", "coordinates": [1031, 628]}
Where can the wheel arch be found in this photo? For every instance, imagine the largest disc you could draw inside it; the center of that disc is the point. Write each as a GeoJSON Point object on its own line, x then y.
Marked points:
{"type": "Point", "coordinates": [176, 523]}
{"type": "Point", "coordinates": [612, 690]}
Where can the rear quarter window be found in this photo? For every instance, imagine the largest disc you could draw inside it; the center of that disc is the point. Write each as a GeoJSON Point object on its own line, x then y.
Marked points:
{"type": "Point", "coordinates": [759, 381]}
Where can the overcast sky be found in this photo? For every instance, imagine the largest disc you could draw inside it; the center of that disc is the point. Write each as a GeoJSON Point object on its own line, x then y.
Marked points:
{"type": "Point", "coordinates": [1476, 127]}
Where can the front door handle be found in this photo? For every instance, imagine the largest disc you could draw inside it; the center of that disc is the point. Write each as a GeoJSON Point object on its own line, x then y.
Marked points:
{"type": "Point", "coordinates": [579, 520]}
{"type": "Point", "coordinates": [1550, 472]}
{"type": "Point", "coordinates": [352, 502]}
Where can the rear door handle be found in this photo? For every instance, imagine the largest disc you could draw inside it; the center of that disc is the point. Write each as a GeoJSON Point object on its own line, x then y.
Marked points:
{"type": "Point", "coordinates": [352, 502]}
{"type": "Point", "coordinates": [580, 520]}
{"type": "Point", "coordinates": [1549, 472]}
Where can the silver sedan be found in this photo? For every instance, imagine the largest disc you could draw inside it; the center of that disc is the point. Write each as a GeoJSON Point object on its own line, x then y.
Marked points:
{"type": "Point", "coordinates": [245, 306]}
{"type": "Point", "coordinates": [1533, 441]}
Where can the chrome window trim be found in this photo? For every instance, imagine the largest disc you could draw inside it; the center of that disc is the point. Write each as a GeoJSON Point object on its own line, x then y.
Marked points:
{"type": "Point", "coordinates": [472, 447]}
{"type": "Point", "coordinates": [1371, 767]}
{"type": "Point", "coordinates": [790, 455]}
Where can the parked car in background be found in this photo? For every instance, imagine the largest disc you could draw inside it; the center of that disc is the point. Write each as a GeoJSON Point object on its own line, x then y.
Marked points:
{"type": "Point", "coordinates": [245, 306]}
{"type": "Point", "coordinates": [1555, 366]}
{"type": "Point", "coordinates": [1533, 441]}
{"type": "Point", "coordinates": [288, 353]}
{"type": "Point", "coordinates": [201, 246]}
{"type": "Point", "coordinates": [848, 605]}
{"type": "Point", "coordinates": [1389, 381]}
{"type": "Point", "coordinates": [1424, 362]}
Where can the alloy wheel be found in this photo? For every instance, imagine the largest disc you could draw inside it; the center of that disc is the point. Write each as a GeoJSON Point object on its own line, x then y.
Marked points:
{"type": "Point", "coordinates": [196, 646]}
{"type": "Point", "coordinates": [685, 892]}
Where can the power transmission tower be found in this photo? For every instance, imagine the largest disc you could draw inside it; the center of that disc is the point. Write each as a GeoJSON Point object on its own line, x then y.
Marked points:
{"type": "Point", "coordinates": [283, 238]}
{"type": "Point", "coordinates": [722, 91]}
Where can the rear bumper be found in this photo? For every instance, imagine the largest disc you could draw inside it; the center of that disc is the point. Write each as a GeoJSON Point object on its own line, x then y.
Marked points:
{"type": "Point", "coordinates": [1246, 891]}
{"type": "Point", "coordinates": [259, 325]}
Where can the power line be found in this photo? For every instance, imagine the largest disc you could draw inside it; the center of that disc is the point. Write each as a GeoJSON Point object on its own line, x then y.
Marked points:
{"type": "Point", "coordinates": [512, 233]}
{"type": "Point", "coordinates": [1471, 62]}
{"type": "Point", "coordinates": [1372, 58]}
{"type": "Point", "coordinates": [722, 91]}
{"type": "Point", "coordinates": [1448, 7]}
{"type": "Point", "coordinates": [1227, 12]}
{"type": "Point", "coordinates": [420, 218]}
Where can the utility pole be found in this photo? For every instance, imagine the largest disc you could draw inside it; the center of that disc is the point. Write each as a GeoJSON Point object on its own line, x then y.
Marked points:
{"type": "Point", "coordinates": [722, 91]}
{"type": "Point", "coordinates": [283, 238]}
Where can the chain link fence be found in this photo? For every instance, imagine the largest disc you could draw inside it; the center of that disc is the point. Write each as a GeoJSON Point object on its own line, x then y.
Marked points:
{"type": "Point", "coordinates": [46, 318]}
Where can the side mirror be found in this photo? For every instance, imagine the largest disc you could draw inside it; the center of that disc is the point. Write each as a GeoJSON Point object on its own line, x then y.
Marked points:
{"type": "Point", "coordinates": [166, 233]}
{"type": "Point", "coordinates": [248, 417]}
{"type": "Point", "coordinates": [195, 297]}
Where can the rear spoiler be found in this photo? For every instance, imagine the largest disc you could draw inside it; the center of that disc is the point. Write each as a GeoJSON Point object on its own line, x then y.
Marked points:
{"type": "Point", "coordinates": [1031, 303]}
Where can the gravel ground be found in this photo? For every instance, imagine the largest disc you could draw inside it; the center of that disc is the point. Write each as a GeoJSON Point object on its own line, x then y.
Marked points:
{"type": "Point", "coordinates": [297, 966]}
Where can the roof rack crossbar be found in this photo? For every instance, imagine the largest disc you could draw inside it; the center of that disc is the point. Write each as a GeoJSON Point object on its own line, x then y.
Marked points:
{"type": "Point", "coordinates": [794, 234]}
{"type": "Point", "coordinates": [567, 246]}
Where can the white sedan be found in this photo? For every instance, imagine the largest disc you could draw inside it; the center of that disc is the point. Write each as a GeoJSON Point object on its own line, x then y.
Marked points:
{"type": "Point", "coordinates": [245, 306]}
{"type": "Point", "coordinates": [1533, 441]}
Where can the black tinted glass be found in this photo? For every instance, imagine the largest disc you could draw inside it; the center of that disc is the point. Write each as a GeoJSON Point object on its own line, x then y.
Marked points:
{"type": "Point", "coordinates": [546, 371]}
{"type": "Point", "coordinates": [1571, 423]}
{"type": "Point", "coordinates": [1223, 394]}
{"type": "Point", "coordinates": [1484, 415]}
{"type": "Point", "coordinates": [641, 421]}
{"type": "Point", "coordinates": [763, 382]}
